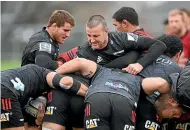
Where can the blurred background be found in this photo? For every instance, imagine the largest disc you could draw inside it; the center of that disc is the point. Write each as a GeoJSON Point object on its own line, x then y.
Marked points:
{"type": "Point", "coordinates": [20, 19]}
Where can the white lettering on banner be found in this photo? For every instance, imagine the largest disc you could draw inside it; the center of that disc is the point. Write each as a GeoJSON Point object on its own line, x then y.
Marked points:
{"type": "Point", "coordinates": [92, 123]}
{"type": "Point", "coordinates": [151, 125]}
{"type": "Point", "coordinates": [129, 127]}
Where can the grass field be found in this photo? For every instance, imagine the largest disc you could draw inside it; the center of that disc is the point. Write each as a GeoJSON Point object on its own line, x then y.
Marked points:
{"type": "Point", "coordinates": [10, 64]}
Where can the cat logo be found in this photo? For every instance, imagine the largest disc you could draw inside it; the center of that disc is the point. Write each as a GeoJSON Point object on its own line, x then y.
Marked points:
{"type": "Point", "coordinates": [5, 117]}
{"type": "Point", "coordinates": [92, 123]}
{"type": "Point", "coordinates": [151, 125]}
{"type": "Point", "coordinates": [183, 126]}
{"type": "Point", "coordinates": [129, 127]}
{"type": "Point", "coordinates": [50, 110]}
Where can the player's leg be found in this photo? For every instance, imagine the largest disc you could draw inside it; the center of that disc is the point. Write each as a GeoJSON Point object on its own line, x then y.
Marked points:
{"type": "Point", "coordinates": [57, 111]}
{"type": "Point", "coordinates": [11, 113]}
{"type": "Point", "coordinates": [123, 113]}
{"type": "Point", "coordinates": [97, 112]}
{"type": "Point", "coordinates": [77, 105]}
{"type": "Point", "coordinates": [77, 112]}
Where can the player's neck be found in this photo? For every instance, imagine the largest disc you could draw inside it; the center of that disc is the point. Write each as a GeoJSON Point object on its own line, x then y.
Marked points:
{"type": "Point", "coordinates": [133, 28]}
{"type": "Point", "coordinates": [50, 32]}
{"type": "Point", "coordinates": [183, 32]}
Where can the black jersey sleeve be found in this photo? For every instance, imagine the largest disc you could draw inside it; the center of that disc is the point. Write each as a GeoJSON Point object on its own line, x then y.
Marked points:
{"type": "Point", "coordinates": [44, 59]}
{"type": "Point", "coordinates": [124, 61]}
{"type": "Point", "coordinates": [153, 47]}
{"type": "Point", "coordinates": [44, 47]}
{"type": "Point", "coordinates": [83, 51]}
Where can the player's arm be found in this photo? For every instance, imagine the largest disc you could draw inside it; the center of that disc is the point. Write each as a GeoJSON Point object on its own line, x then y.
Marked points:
{"type": "Point", "coordinates": [85, 67]}
{"type": "Point", "coordinates": [66, 83]}
{"type": "Point", "coordinates": [134, 42]}
{"type": "Point", "coordinates": [44, 56]}
{"type": "Point", "coordinates": [155, 49]}
{"type": "Point", "coordinates": [153, 84]}
{"type": "Point", "coordinates": [123, 61]}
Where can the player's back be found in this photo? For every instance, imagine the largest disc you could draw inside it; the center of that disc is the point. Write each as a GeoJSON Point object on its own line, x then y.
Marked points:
{"type": "Point", "coordinates": [25, 81]}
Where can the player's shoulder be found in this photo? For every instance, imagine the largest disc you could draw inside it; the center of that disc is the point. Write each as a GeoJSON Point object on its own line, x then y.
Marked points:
{"type": "Point", "coordinates": [40, 36]}
{"type": "Point", "coordinates": [123, 36]}
{"type": "Point", "coordinates": [32, 67]}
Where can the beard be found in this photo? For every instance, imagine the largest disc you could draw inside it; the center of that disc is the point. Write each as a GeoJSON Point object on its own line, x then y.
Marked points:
{"type": "Point", "coordinates": [176, 31]}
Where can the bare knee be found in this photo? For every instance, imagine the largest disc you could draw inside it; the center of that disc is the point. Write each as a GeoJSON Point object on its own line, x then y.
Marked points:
{"type": "Point", "coordinates": [52, 126]}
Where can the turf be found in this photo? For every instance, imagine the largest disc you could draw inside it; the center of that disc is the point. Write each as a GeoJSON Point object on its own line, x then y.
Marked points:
{"type": "Point", "coordinates": [10, 64]}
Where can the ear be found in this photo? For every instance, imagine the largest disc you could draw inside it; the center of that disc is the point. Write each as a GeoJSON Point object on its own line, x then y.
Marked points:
{"type": "Point", "coordinates": [173, 102]}
{"type": "Point", "coordinates": [106, 30]}
{"type": "Point", "coordinates": [54, 25]}
{"type": "Point", "coordinates": [177, 56]}
{"type": "Point", "coordinates": [125, 23]}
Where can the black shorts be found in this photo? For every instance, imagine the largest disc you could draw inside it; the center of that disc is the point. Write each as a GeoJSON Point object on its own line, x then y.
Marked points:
{"type": "Point", "coordinates": [147, 117]}
{"type": "Point", "coordinates": [66, 107]}
{"type": "Point", "coordinates": [11, 112]}
{"type": "Point", "coordinates": [108, 111]}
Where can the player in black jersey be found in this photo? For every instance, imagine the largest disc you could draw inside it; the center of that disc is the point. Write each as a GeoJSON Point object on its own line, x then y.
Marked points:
{"type": "Point", "coordinates": [113, 95]}
{"type": "Point", "coordinates": [166, 64]}
{"type": "Point", "coordinates": [43, 47]}
{"type": "Point", "coordinates": [18, 85]}
{"type": "Point", "coordinates": [103, 47]}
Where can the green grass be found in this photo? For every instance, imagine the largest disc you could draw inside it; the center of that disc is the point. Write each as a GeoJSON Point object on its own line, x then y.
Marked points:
{"type": "Point", "coordinates": [10, 64]}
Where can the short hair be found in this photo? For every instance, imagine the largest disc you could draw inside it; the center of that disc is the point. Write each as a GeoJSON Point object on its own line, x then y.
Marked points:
{"type": "Point", "coordinates": [161, 102]}
{"type": "Point", "coordinates": [60, 17]}
{"type": "Point", "coordinates": [173, 43]}
{"type": "Point", "coordinates": [165, 22]}
{"type": "Point", "coordinates": [126, 13]}
{"type": "Point", "coordinates": [95, 20]}
{"type": "Point", "coordinates": [186, 11]}
{"type": "Point", "coordinates": [176, 12]}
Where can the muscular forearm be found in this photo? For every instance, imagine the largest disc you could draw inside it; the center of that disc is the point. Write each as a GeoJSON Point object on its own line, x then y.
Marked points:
{"type": "Point", "coordinates": [70, 67]}
{"type": "Point", "coordinates": [150, 85]}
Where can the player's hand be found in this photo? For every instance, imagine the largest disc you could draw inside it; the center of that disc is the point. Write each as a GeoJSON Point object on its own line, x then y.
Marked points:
{"type": "Point", "coordinates": [59, 63]}
{"type": "Point", "coordinates": [40, 116]}
{"type": "Point", "coordinates": [133, 68]}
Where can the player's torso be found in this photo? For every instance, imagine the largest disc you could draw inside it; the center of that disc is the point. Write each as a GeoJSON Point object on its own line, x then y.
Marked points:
{"type": "Point", "coordinates": [109, 80]}
{"type": "Point", "coordinates": [24, 82]}
{"type": "Point", "coordinates": [113, 50]}
{"type": "Point", "coordinates": [38, 42]}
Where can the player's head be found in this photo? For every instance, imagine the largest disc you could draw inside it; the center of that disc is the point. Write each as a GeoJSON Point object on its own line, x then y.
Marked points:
{"type": "Point", "coordinates": [60, 24]}
{"type": "Point", "coordinates": [166, 26]}
{"type": "Point", "coordinates": [124, 18]}
{"type": "Point", "coordinates": [176, 22]}
{"type": "Point", "coordinates": [174, 46]}
{"type": "Point", "coordinates": [167, 107]}
{"type": "Point", "coordinates": [186, 16]}
{"type": "Point", "coordinates": [97, 32]}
